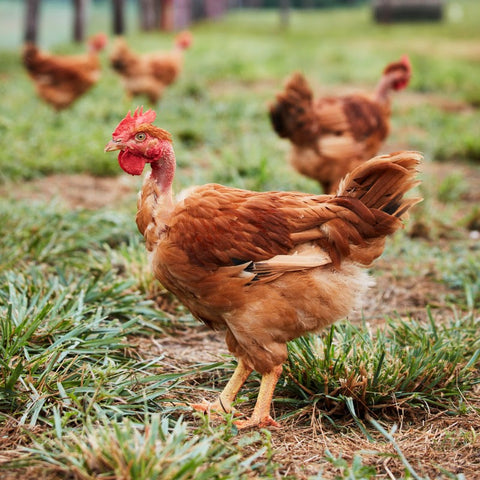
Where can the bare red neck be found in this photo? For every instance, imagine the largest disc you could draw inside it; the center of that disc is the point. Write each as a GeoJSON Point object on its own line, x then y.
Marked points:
{"type": "Point", "coordinates": [163, 172]}
{"type": "Point", "coordinates": [384, 88]}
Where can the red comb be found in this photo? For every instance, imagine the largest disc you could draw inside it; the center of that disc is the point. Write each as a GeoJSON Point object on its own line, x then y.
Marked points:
{"type": "Point", "coordinates": [98, 41]}
{"type": "Point", "coordinates": [183, 39]}
{"type": "Point", "coordinates": [133, 121]}
{"type": "Point", "coordinates": [403, 63]}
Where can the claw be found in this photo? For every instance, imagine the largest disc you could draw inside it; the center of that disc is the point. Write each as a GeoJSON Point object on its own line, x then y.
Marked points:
{"type": "Point", "coordinates": [265, 422]}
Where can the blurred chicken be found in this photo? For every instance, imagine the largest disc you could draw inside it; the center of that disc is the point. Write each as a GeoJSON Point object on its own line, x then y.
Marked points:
{"type": "Point", "coordinates": [62, 79]}
{"type": "Point", "coordinates": [331, 136]}
{"type": "Point", "coordinates": [149, 74]}
{"type": "Point", "coordinates": [266, 267]}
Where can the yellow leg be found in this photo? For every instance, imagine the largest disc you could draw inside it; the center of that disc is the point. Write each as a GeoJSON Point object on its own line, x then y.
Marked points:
{"type": "Point", "coordinates": [226, 398]}
{"type": "Point", "coordinates": [261, 413]}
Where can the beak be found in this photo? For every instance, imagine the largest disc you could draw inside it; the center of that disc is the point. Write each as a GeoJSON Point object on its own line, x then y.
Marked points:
{"type": "Point", "coordinates": [111, 146]}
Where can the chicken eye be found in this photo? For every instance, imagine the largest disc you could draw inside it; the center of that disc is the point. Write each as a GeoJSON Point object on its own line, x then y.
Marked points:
{"type": "Point", "coordinates": [140, 137]}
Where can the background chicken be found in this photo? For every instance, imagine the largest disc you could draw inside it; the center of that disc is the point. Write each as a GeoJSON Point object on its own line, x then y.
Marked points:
{"type": "Point", "coordinates": [149, 74]}
{"type": "Point", "coordinates": [62, 79]}
{"type": "Point", "coordinates": [330, 136]}
{"type": "Point", "coordinates": [266, 267]}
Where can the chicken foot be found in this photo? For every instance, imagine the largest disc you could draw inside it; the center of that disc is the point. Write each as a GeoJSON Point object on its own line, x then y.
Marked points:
{"type": "Point", "coordinates": [224, 401]}
{"type": "Point", "coordinates": [261, 413]}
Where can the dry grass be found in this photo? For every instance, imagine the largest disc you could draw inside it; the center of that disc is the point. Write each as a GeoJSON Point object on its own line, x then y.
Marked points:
{"type": "Point", "coordinates": [430, 443]}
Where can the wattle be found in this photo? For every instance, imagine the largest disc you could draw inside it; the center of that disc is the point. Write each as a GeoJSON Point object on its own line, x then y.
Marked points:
{"type": "Point", "coordinates": [400, 84]}
{"type": "Point", "coordinates": [131, 163]}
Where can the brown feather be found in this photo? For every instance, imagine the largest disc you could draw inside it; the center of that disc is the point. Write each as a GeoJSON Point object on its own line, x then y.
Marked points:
{"type": "Point", "coordinates": [292, 116]}
{"type": "Point", "coordinates": [149, 73]}
{"type": "Point", "coordinates": [61, 79]}
{"type": "Point", "coordinates": [331, 136]}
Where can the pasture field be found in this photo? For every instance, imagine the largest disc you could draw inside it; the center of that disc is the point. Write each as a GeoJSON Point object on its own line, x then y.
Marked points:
{"type": "Point", "coordinates": [97, 360]}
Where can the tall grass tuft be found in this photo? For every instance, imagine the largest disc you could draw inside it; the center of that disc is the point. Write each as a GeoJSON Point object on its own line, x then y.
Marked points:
{"type": "Point", "coordinates": [155, 449]}
{"type": "Point", "coordinates": [407, 364]}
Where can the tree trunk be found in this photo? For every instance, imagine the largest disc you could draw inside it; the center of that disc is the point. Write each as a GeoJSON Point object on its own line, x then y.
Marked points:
{"type": "Point", "coordinates": [147, 14]}
{"type": "Point", "coordinates": [157, 6]}
{"type": "Point", "coordinates": [167, 21]}
{"type": "Point", "coordinates": [31, 20]}
{"type": "Point", "coordinates": [284, 13]}
{"type": "Point", "coordinates": [79, 19]}
{"type": "Point", "coordinates": [118, 17]}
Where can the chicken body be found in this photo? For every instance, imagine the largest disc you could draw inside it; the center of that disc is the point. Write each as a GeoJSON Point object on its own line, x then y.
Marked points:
{"type": "Point", "coordinates": [265, 267]}
{"type": "Point", "coordinates": [248, 268]}
{"type": "Point", "coordinates": [150, 73]}
{"type": "Point", "coordinates": [61, 79]}
{"type": "Point", "coordinates": [331, 136]}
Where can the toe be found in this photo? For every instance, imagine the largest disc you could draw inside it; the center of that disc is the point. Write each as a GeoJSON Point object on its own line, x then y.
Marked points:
{"type": "Point", "coordinates": [269, 422]}
{"type": "Point", "coordinates": [204, 407]}
{"type": "Point", "coordinates": [214, 410]}
{"type": "Point", "coordinates": [265, 422]}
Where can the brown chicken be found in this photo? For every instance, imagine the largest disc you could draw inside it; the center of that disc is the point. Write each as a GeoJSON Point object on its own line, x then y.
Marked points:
{"type": "Point", "coordinates": [265, 267]}
{"type": "Point", "coordinates": [62, 79]}
{"type": "Point", "coordinates": [331, 136]}
{"type": "Point", "coordinates": [150, 73]}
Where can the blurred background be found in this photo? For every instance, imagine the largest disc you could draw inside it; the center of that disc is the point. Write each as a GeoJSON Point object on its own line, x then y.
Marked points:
{"type": "Point", "coordinates": [168, 14]}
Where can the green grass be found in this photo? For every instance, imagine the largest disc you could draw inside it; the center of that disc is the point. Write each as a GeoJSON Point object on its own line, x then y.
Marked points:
{"type": "Point", "coordinates": [406, 364]}
{"type": "Point", "coordinates": [77, 295]}
{"type": "Point", "coordinates": [157, 449]}
{"type": "Point", "coordinates": [66, 311]}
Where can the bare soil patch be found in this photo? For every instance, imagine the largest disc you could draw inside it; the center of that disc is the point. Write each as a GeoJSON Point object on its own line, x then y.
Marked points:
{"type": "Point", "coordinates": [75, 191]}
{"type": "Point", "coordinates": [409, 98]}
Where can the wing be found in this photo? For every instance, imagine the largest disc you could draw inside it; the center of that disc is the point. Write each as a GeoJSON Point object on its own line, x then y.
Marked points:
{"type": "Point", "coordinates": [220, 226]}
{"type": "Point", "coordinates": [217, 226]}
{"type": "Point", "coordinates": [52, 70]}
{"type": "Point", "coordinates": [350, 126]}
{"type": "Point", "coordinates": [165, 67]}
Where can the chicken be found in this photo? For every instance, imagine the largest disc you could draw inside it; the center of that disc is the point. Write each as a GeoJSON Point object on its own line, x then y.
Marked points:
{"type": "Point", "coordinates": [62, 79]}
{"type": "Point", "coordinates": [331, 136]}
{"type": "Point", "coordinates": [149, 74]}
{"type": "Point", "coordinates": [265, 267]}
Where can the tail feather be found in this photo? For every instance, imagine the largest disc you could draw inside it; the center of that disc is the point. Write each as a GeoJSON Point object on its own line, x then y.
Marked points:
{"type": "Point", "coordinates": [292, 115]}
{"type": "Point", "coordinates": [382, 182]}
{"type": "Point", "coordinates": [374, 194]}
{"type": "Point", "coordinates": [121, 57]}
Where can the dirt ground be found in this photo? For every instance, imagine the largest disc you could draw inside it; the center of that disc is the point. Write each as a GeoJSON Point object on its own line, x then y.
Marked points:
{"type": "Point", "coordinates": [75, 191]}
{"type": "Point", "coordinates": [432, 442]}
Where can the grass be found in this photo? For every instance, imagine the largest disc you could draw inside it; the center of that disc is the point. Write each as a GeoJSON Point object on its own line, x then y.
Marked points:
{"type": "Point", "coordinates": [87, 390]}
{"type": "Point", "coordinates": [405, 365]}
{"type": "Point", "coordinates": [156, 449]}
